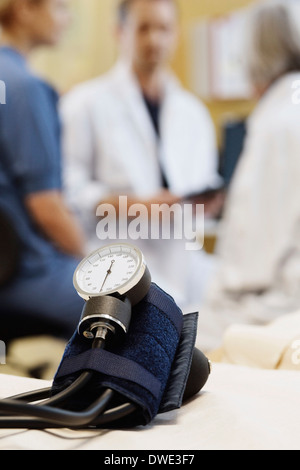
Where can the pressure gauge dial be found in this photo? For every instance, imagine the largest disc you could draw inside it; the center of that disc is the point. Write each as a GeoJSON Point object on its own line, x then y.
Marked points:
{"type": "Point", "coordinates": [118, 269]}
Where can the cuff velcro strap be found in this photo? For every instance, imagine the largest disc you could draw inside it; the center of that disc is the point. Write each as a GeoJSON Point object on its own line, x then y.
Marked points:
{"type": "Point", "coordinates": [118, 367]}
{"type": "Point", "coordinates": [181, 367]}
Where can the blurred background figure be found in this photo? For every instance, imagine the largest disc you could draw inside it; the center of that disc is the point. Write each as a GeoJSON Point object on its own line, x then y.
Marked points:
{"type": "Point", "coordinates": [136, 132]}
{"type": "Point", "coordinates": [39, 296]}
{"type": "Point", "coordinates": [259, 248]}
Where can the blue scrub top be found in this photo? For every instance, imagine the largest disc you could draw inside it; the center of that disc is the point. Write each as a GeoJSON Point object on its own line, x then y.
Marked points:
{"type": "Point", "coordinates": [30, 154]}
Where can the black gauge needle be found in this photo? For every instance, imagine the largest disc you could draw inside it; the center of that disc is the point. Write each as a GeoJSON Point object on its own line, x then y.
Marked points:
{"type": "Point", "coordinates": [107, 274]}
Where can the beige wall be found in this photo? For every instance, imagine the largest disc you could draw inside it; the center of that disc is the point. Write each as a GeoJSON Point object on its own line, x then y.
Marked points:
{"type": "Point", "coordinates": [192, 11]}
{"type": "Point", "coordinates": [89, 48]}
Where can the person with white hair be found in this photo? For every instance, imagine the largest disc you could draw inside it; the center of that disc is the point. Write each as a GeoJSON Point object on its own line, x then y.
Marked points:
{"type": "Point", "coordinates": [258, 252]}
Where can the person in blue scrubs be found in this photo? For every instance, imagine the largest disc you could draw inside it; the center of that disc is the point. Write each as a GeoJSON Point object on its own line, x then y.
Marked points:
{"type": "Point", "coordinates": [41, 297]}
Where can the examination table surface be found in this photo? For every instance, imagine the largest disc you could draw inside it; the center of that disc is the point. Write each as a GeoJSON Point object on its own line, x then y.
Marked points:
{"type": "Point", "coordinates": [240, 408]}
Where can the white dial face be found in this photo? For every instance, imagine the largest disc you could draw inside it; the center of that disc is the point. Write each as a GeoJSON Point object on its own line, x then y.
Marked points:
{"type": "Point", "coordinates": [107, 270]}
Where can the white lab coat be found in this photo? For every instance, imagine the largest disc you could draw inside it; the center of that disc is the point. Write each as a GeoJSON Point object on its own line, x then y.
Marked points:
{"type": "Point", "coordinates": [110, 146]}
{"type": "Point", "coordinates": [258, 277]}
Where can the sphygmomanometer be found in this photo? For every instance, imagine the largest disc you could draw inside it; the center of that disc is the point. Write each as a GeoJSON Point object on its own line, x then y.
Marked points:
{"type": "Point", "coordinates": [132, 356]}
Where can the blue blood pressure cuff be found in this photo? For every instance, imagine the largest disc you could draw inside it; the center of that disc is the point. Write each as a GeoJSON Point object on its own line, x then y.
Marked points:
{"type": "Point", "coordinates": [148, 367]}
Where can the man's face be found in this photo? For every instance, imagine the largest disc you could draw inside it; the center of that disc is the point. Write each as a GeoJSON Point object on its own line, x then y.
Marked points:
{"type": "Point", "coordinates": [149, 34]}
{"type": "Point", "coordinates": [48, 20]}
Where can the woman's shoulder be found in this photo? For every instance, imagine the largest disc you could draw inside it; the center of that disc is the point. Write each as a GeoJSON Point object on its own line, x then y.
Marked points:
{"type": "Point", "coordinates": [277, 109]}
{"type": "Point", "coordinates": [19, 79]}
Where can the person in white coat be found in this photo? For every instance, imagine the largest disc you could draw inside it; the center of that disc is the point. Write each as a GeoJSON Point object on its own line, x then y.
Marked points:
{"type": "Point", "coordinates": [136, 132]}
{"type": "Point", "coordinates": [258, 275]}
